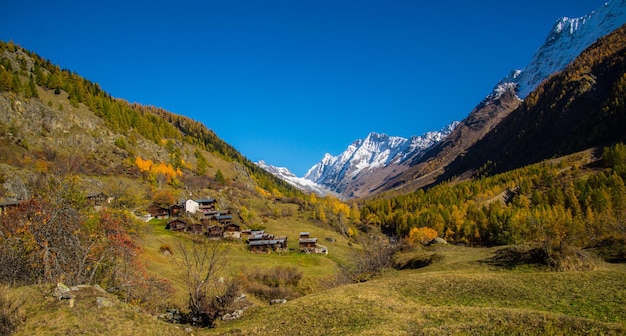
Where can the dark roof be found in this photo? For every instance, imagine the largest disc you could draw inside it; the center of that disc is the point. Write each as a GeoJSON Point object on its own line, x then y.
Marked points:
{"type": "Point", "coordinates": [158, 206]}
{"type": "Point", "coordinates": [308, 240]}
{"type": "Point", "coordinates": [265, 242]}
{"type": "Point", "coordinates": [218, 217]}
{"type": "Point", "coordinates": [206, 200]}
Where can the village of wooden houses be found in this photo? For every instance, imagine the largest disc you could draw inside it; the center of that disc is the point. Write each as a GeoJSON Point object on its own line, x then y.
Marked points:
{"type": "Point", "coordinates": [213, 223]}
{"type": "Point", "coordinates": [218, 224]}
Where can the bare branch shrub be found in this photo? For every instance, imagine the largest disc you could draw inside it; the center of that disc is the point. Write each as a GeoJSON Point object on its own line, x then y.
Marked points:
{"type": "Point", "coordinates": [202, 262]}
{"type": "Point", "coordinates": [377, 254]}
{"type": "Point", "coordinates": [279, 282]}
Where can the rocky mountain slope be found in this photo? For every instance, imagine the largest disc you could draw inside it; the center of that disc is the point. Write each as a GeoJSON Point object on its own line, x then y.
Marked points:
{"type": "Point", "coordinates": [54, 122]}
{"type": "Point", "coordinates": [370, 166]}
{"type": "Point", "coordinates": [578, 108]}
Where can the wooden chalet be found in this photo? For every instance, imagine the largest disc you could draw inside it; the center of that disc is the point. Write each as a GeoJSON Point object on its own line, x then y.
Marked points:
{"type": "Point", "coordinates": [232, 231]}
{"type": "Point", "coordinates": [158, 211]}
{"type": "Point", "coordinates": [214, 232]}
{"type": "Point", "coordinates": [224, 219]}
{"type": "Point", "coordinates": [206, 204]}
{"type": "Point", "coordinates": [195, 228]}
{"type": "Point", "coordinates": [177, 225]}
{"type": "Point", "coordinates": [268, 245]}
{"type": "Point", "coordinates": [307, 244]}
{"type": "Point", "coordinates": [177, 210]}
{"type": "Point", "coordinates": [260, 235]}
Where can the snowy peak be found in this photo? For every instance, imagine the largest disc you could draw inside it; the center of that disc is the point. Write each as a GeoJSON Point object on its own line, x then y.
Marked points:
{"type": "Point", "coordinates": [299, 182]}
{"type": "Point", "coordinates": [567, 39]}
{"type": "Point", "coordinates": [376, 150]}
{"type": "Point", "coordinates": [278, 171]}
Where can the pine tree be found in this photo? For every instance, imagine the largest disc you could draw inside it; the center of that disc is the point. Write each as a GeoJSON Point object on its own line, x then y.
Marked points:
{"type": "Point", "coordinates": [219, 177]}
{"type": "Point", "coordinates": [32, 88]}
{"type": "Point", "coordinates": [5, 80]}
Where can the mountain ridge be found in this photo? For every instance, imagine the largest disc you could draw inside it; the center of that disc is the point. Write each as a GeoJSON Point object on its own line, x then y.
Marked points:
{"type": "Point", "coordinates": [565, 41]}
{"type": "Point", "coordinates": [336, 174]}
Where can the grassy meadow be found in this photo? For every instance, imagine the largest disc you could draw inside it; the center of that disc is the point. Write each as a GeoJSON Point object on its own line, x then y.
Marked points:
{"type": "Point", "coordinates": [461, 293]}
{"type": "Point", "coordinates": [458, 294]}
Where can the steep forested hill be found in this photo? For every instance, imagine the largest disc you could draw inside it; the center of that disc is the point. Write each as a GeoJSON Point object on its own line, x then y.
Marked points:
{"type": "Point", "coordinates": [575, 109]}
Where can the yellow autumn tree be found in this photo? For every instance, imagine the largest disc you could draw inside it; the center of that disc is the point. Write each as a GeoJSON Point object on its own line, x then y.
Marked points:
{"type": "Point", "coordinates": [143, 165]}
{"type": "Point", "coordinates": [160, 172]}
{"type": "Point", "coordinates": [422, 235]}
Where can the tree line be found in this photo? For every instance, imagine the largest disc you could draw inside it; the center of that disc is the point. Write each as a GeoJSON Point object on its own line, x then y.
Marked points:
{"type": "Point", "coordinates": [553, 204]}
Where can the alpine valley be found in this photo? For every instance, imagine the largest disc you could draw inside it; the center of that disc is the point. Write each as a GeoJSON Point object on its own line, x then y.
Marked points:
{"type": "Point", "coordinates": [381, 163]}
{"type": "Point", "coordinates": [118, 218]}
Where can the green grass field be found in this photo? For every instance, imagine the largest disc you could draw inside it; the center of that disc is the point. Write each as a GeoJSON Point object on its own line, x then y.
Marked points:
{"type": "Point", "coordinates": [459, 294]}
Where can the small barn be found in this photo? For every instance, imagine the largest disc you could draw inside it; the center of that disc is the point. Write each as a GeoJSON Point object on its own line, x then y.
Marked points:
{"type": "Point", "coordinates": [158, 211]}
{"type": "Point", "coordinates": [195, 228]}
{"type": "Point", "coordinates": [176, 225]}
{"type": "Point", "coordinates": [177, 210]}
{"type": "Point", "coordinates": [308, 244]}
{"type": "Point", "coordinates": [232, 231]}
{"type": "Point", "coordinates": [268, 245]}
{"type": "Point", "coordinates": [214, 232]}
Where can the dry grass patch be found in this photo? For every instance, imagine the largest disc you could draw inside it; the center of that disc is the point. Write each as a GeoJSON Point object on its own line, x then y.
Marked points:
{"type": "Point", "coordinates": [458, 295]}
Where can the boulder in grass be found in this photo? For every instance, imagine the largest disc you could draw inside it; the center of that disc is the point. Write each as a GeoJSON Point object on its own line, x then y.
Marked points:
{"type": "Point", "coordinates": [438, 241]}
{"type": "Point", "coordinates": [62, 292]}
{"type": "Point", "coordinates": [103, 302]}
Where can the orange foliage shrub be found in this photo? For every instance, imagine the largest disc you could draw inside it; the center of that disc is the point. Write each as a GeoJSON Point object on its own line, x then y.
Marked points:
{"type": "Point", "coordinates": [421, 235]}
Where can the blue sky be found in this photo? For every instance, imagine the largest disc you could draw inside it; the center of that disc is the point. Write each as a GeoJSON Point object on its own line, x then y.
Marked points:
{"type": "Point", "coordinates": [287, 81]}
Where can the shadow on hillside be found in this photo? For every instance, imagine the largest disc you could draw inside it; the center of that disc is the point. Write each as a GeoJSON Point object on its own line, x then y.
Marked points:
{"type": "Point", "coordinates": [419, 261]}
{"type": "Point", "coordinates": [511, 257]}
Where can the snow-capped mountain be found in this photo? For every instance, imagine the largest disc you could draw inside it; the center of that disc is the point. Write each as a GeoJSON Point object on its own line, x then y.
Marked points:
{"type": "Point", "coordinates": [375, 151]}
{"type": "Point", "coordinates": [567, 39]}
{"type": "Point", "coordinates": [380, 162]}
{"type": "Point", "coordinates": [299, 182]}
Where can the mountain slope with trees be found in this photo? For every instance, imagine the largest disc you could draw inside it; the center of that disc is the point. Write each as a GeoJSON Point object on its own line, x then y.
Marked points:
{"type": "Point", "coordinates": [575, 109]}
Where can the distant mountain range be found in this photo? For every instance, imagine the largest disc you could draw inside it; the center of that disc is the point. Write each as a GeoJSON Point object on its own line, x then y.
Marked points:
{"type": "Point", "coordinates": [382, 163]}
{"type": "Point", "coordinates": [361, 160]}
